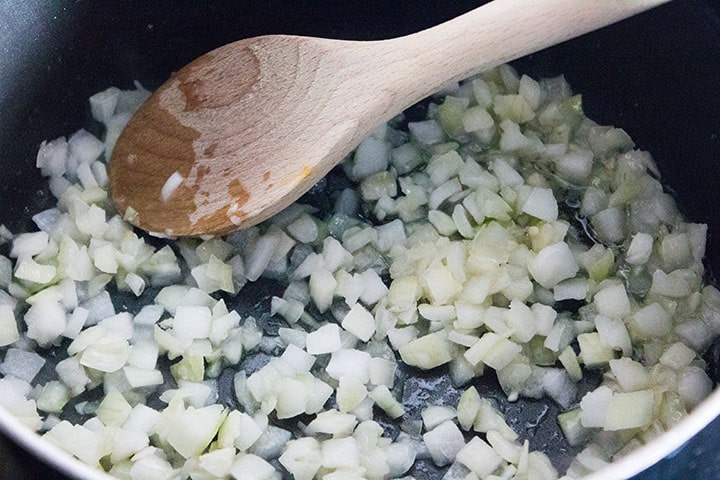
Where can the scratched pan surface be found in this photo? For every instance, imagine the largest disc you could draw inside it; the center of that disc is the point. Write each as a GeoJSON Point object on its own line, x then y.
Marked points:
{"type": "Point", "coordinates": [655, 75]}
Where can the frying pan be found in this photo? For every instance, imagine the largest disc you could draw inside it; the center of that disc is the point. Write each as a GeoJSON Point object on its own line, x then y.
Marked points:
{"type": "Point", "coordinates": [656, 75]}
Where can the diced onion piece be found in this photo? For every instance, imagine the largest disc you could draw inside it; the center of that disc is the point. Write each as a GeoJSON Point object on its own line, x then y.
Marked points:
{"type": "Point", "coordinates": [32, 271]}
{"type": "Point", "coordinates": [673, 284]}
{"type": "Point", "coordinates": [371, 156]}
{"type": "Point", "coordinates": [338, 453]}
{"type": "Point", "coordinates": [374, 289]}
{"type": "Point", "coordinates": [541, 203]}
{"type": "Point", "coordinates": [114, 409]}
{"type": "Point", "coordinates": [8, 326]}
{"type": "Point", "coordinates": [298, 359]}
{"type": "Point", "coordinates": [259, 257]}
{"type": "Point", "coordinates": [304, 229]}
{"type": "Point", "coordinates": [572, 428]}
{"type": "Point", "coordinates": [214, 275]}
{"type": "Point", "coordinates": [72, 374]}
{"type": "Point", "coordinates": [594, 406]}
{"type": "Point", "coordinates": [477, 118]}
{"type": "Point", "coordinates": [52, 158]}
{"type": "Point", "coordinates": [493, 350]}
{"type": "Point", "coordinates": [479, 457]}
{"type": "Point", "coordinates": [26, 245]}
{"type": "Point", "coordinates": [677, 356]}
{"type": "Point", "coordinates": [384, 399]}
{"type": "Point", "coordinates": [354, 363]}
{"type": "Point", "coordinates": [508, 450]}
{"type": "Point", "coordinates": [46, 322]}
{"type": "Point", "coordinates": [612, 302]}
{"type": "Point", "coordinates": [351, 392]}
{"type": "Point", "coordinates": [488, 418]}
{"type": "Point", "coordinates": [426, 132]}
{"type": "Point", "coordinates": [322, 288]}
{"type": "Point", "coordinates": [382, 371]}
{"type": "Point", "coordinates": [142, 377]}
{"type": "Point", "coordinates": [218, 462]}
{"type": "Point", "coordinates": [434, 415]}
{"type": "Point", "coordinates": [640, 248]}
{"type": "Point", "coordinates": [553, 264]}
{"type": "Point", "coordinates": [694, 386]}
{"type": "Point", "coordinates": [102, 104]}
{"type": "Point", "coordinates": [631, 375]}
{"type": "Point", "coordinates": [570, 361]}
{"type": "Point", "coordinates": [332, 422]}
{"type": "Point", "coordinates": [593, 351]}
{"type": "Point", "coordinates": [651, 321]}
{"type": "Point", "coordinates": [84, 146]}
{"type": "Point", "coordinates": [302, 458]}
{"type": "Point", "coordinates": [609, 225]}
{"type": "Point", "coordinates": [378, 185]}
{"type": "Point", "coordinates": [107, 354]}
{"type": "Point", "coordinates": [194, 429]}
{"type": "Point", "coordinates": [325, 339]}
{"type": "Point", "coordinates": [444, 442]}
{"type": "Point", "coordinates": [575, 166]}
{"type": "Point", "coordinates": [22, 364]}
{"type": "Point", "coordinates": [192, 322]}
{"type": "Point", "coordinates": [468, 408]}
{"type": "Point", "coordinates": [359, 322]}
{"type": "Point", "coordinates": [614, 334]}
{"type": "Point", "coordinates": [251, 467]}
{"type": "Point", "coordinates": [428, 351]}
{"type": "Point", "coordinates": [629, 410]}
{"type": "Point", "coordinates": [248, 430]}
{"type": "Point", "coordinates": [571, 289]}
{"type": "Point", "coordinates": [85, 444]}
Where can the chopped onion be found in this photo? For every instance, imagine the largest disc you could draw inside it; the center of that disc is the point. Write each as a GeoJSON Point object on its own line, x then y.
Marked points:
{"type": "Point", "coordinates": [21, 364]}
{"type": "Point", "coordinates": [449, 244]}
{"type": "Point", "coordinates": [8, 326]}
{"type": "Point", "coordinates": [444, 442]}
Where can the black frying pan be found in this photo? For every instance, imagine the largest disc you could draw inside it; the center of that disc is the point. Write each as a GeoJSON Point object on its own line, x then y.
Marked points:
{"type": "Point", "coordinates": [656, 75]}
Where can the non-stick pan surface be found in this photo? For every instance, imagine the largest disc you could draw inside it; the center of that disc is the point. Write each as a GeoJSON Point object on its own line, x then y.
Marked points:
{"type": "Point", "coordinates": [656, 75]}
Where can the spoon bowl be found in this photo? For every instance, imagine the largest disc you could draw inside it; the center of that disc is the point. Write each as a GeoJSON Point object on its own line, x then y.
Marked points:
{"type": "Point", "coordinates": [244, 130]}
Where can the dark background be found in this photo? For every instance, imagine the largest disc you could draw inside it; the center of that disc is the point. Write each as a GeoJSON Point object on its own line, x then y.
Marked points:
{"type": "Point", "coordinates": [656, 75]}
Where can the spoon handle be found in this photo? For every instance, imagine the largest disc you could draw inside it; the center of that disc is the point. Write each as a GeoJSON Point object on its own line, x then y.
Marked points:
{"type": "Point", "coordinates": [498, 32]}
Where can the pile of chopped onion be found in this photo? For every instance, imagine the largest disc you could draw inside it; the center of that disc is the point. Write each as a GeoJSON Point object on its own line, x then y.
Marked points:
{"type": "Point", "coordinates": [460, 240]}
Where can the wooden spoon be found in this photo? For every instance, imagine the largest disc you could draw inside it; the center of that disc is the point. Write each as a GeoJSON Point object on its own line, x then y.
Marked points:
{"type": "Point", "coordinates": [246, 129]}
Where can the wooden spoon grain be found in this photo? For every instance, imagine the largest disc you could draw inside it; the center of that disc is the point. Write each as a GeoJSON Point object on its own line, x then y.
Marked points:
{"type": "Point", "coordinates": [244, 130]}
